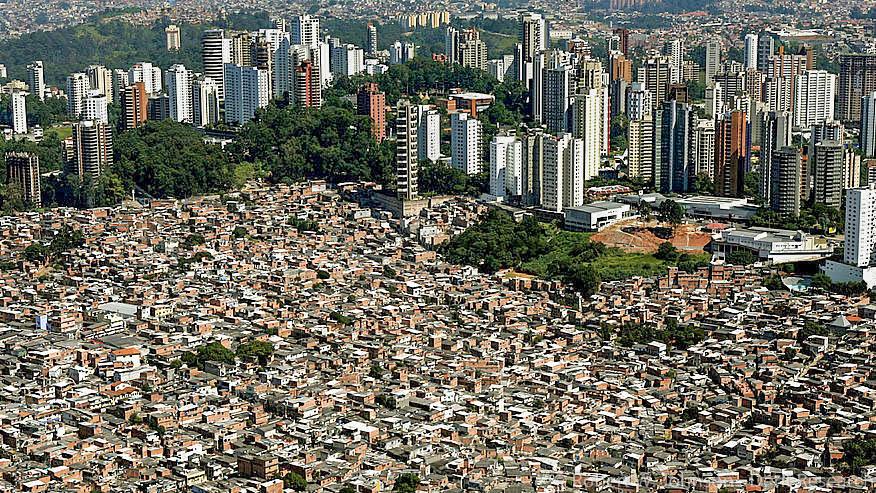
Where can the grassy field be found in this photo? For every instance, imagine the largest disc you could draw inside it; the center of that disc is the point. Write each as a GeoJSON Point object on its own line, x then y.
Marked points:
{"type": "Point", "coordinates": [612, 264]}
{"type": "Point", "coordinates": [498, 44]}
{"type": "Point", "coordinates": [62, 131]}
{"type": "Point", "coordinates": [561, 243]}
{"type": "Point", "coordinates": [625, 265]}
{"type": "Point", "coordinates": [543, 250]}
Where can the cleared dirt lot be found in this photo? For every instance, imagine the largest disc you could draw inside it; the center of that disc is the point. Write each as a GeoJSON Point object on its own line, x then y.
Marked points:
{"type": "Point", "coordinates": [636, 236]}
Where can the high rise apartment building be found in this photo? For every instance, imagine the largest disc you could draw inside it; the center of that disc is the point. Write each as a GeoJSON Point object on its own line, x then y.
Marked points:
{"type": "Point", "coordinates": [372, 103]}
{"type": "Point", "coordinates": [23, 172]}
{"type": "Point", "coordinates": [406, 153]}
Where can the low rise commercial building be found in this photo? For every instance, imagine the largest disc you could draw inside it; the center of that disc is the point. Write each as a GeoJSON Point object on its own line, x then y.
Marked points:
{"type": "Point", "coordinates": [595, 215]}
{"type": "Point", "coordinates": [771, 246]}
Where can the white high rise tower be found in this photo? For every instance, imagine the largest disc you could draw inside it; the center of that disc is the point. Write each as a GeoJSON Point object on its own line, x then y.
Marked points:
{"type": "Point", "coordinates": [465, 143]}
{"type": "Point", "coordinates": [179, 92]}
{"type": "Point", "coordinates": [814, 95]}
{"type": "Point", "coordinates": [77, 91]}
{"type": "Point", "coordinates": [429, 134]}
{"type": "Point", "coordinates": [305, 30]}
{"type": "Point", "coordinates": [506, 166]}
{"type": "Point", "coordinates": [713, 60]}
{"type": "Point", "coordinates": [860, 232]}
{"type": "Point", "coordinates": [19, 112]}
{"type": "Point", "coordinates": [215, 53]}
{"type": "Point", "coordinates": [751, 51]}
{"type": "Point", "coordinates": [868, 125]}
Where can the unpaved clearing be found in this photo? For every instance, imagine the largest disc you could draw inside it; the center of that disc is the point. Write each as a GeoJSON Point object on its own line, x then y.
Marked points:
{"type": "Point", "coordinates": [639, 238]}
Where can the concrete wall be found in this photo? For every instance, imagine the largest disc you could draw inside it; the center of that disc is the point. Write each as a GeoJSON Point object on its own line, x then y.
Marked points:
{"type": "Point", "coordinates": [407, 208]}
{"type": "Point", "coordinates": [840, 272]}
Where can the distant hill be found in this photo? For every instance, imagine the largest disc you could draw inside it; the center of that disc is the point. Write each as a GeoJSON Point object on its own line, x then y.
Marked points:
{"type": "Point", "coordinates": [654, 6]}
{"type": "Point", "coordinates": [112, 43]}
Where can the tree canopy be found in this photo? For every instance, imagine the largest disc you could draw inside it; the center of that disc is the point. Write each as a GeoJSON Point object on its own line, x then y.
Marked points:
{"type": "Point", "coordinates": [213, 351]}
{"type": "Point", "coordinates": [741, 256]}
{"type": "Point", "coordinates": [670, 212]}
{"type": "Point", "coordinates": [440, 178]}
{"type": "Point", "coordinates": [332, 143]}
{"type": "Point", "coordinates": [65, 240]}
{"type": "Point", "coordinates": [48, 150]}
{"type": "Point", "coordinates": [498, 242]}
{"type": "Point", "coordinates": [816, 218]}
{"type": "Point", "coordinates": [424, 75]}
{"type": "Point", "coordinates": [295, 481]}
{"type": "Point", "coordinates": [672, 334]}
{"type": "Point", "coordinates": [859, 453]}
{"type": "Point", "coordinates": [170, 159]}
{"type": "Point", "coordinates": [406, 483]}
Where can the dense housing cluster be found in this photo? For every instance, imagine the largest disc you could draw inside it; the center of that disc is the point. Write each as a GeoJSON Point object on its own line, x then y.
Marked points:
{"type": "Point", "coordinates": [248, 343]}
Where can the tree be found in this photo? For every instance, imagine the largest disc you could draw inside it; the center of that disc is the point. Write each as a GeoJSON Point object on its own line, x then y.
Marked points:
{"type": "Point", "coordinates": [584, 278]}
{"type": "Point", "coordinates": [47, 112]}
{"type": "Point", "coordinates": [260, 350]}
{"type": "Point", "coordinates": [12, 199]}
{"type": "Point", "coordinates": [741, 257]}
{"type": "Point", "coordinates": [703, 184]}
{"type": "Point", "coordinates": [820, 281]}
{"type": "Point", "coordinates": [64, 189]}
{"type": "Point", "coordinates": [498, 114]}
{"type": "Point", "coordinates": [295, 481]}
{"type": "Point", "coordinates": [48, 150]}
{"type": "Point", "coordinates": [670, 212]}
{"type": "Point", "coordinates": [194, 240]}
{"type": "Point", "coordinates": [619, 126]}
{"type": "Point", "coordinates": [852, 288]}
{"type": "Point", "coordinates": [36, 253]}
{"type": "Point", "coordinates": [302, 225]}
{"type": "Point", "coordinates": [406, 483]}
{"type": "Point", "coordinates": [386, 400]}
{"type": "Point", "coordinates": [423, 75]}
{"type": "Point", "coordinates": [376, 371]}
{"type": "Point", "coordinates": [341, 318]}
{"type": "Point", "coordinates": [213, 351]}
{"type": "Point", "coordinates": [773, 283]}
{"type": "Point", "coordinates": [697, 90]}
{"type": "Point", "coordinates": [109, 190]}
{"type": "Point", "coordinates": [690, 265]}
{"type": "Point", "coordinates": [817, 218]}
{"type": "Point", "coordinates": [752, 186]}
{"type": "Point", "coordinates": [677, 336]}
{"type": "Point", "coordinates": [859, 453]}
{"type": "Point", "coordinates": [65, 239]}
{"type": "Point", "coordinates": [442, 179]}
{"type": "Point", "coordinates": [812, 328]}
{"type": "Point", "coordinates": [113, 43]}
{"type": "Point", "coordinates": [667, 251]}
{"type": "Point", "coordinates": [643, 209]}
